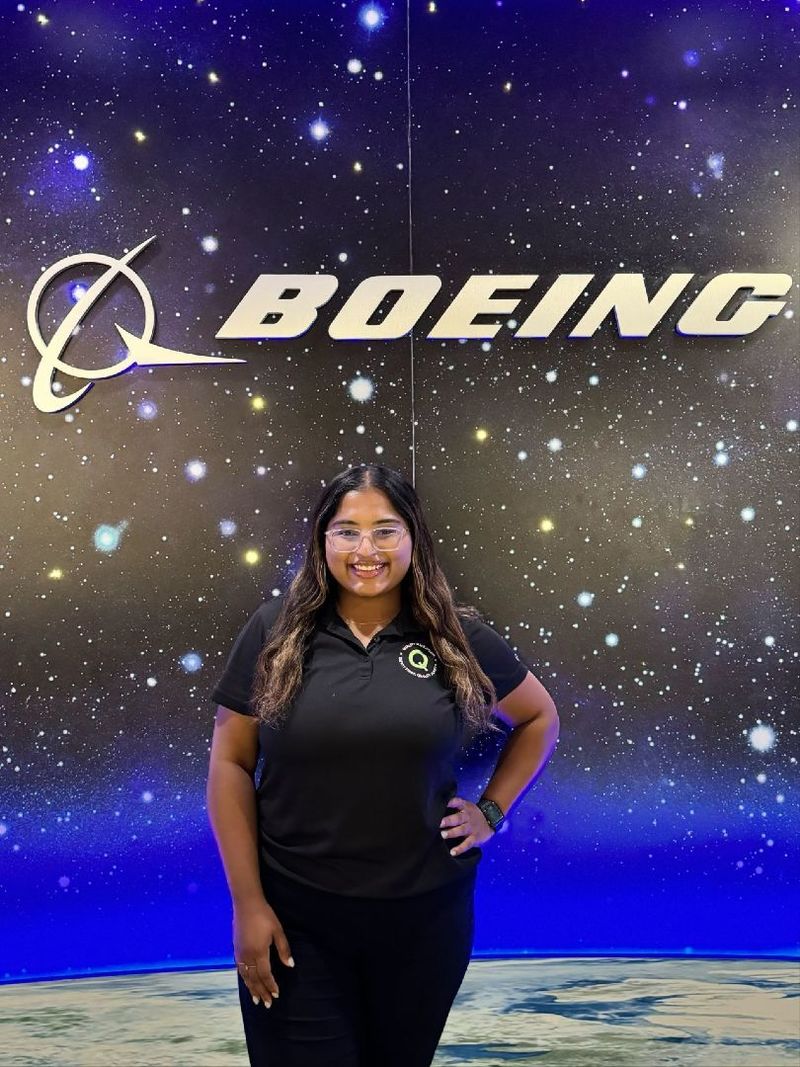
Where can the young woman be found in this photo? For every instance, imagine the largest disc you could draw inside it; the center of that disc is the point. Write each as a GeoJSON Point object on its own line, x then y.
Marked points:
{"type": "Point", "coordinates": [353, 860]}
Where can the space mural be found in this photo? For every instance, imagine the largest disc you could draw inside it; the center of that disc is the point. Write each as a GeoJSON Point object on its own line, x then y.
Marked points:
{"type": "Point", "coordinates": [540, 257]}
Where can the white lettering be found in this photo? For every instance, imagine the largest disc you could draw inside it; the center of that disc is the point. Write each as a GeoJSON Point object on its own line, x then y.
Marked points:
{"type": "Point", "coordinates": [554, 305]}
{"type": "Point", "coordinates": [267, 296]}
{"type": "Point", "coordinates": [416, 292]}
{"type": "Point", "coordinates": [701, 318]}
{"type": "Point", "coordinates": [636, 314]}
{"type": "Point", "coordinates": [476, 298]}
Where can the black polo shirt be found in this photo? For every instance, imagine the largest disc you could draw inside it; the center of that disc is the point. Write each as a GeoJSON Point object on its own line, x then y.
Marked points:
{"type": "Point", "coordinates": [356, 780]}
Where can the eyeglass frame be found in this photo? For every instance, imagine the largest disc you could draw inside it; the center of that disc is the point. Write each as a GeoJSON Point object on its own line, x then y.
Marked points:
{"type": "Point", "coordinates": [344, 551]}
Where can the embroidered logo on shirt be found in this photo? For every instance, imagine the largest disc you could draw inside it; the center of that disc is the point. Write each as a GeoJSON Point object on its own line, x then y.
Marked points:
{"type": "Point", "coordinates": [418, 660]}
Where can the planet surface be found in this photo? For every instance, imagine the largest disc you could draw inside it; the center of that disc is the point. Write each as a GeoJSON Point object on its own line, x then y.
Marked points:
{"type": "Point", "coordinates": [568, 1012]}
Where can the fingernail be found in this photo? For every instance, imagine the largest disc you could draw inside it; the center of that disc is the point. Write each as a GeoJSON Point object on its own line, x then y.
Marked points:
{"type": "Point", "coordinates": [255, 998]}
{"type": "Point", "coordinates": [290, 961]}
{"type": "Point", "coordinates": [452, 852]}
{"type": "Point", "coordinates": [267, 1003]}
{"type": "Point", "coordinates": [444, 833]}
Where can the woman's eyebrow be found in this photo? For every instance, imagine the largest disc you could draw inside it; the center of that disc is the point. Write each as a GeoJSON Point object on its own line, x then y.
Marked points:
{"type": "Point", "coordinates": [351, 522]}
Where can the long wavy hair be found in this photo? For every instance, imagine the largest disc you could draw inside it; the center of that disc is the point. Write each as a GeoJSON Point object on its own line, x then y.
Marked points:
{"type": "Point", "coordinates": [424, 591]}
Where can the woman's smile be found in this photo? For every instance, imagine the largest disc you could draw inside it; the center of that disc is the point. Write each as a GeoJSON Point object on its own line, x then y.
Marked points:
{"type": "Point", "coordinates": [368, 571]}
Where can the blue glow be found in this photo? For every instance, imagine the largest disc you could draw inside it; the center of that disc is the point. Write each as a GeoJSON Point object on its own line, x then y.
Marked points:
{"type": "Point", "coordinates": [319, 129]}
{"type": "Point", "coordinates": [762, 738]}
{"type": "Point", "coordinates": [716, 164]}
{"type": "Point", "coordinates": [80, 161]}
{"type": "Point", "coordinates": [691, 58]}
{"type": "Point", "coordinates": [106, 538]}
{"type": "Point", "coordinates": [76, 291]}
{"type": "Point", "coordinates": [191, 662]}
{"type": "Point", "coordinates": [195, 469]}
{"type": "Point", "coordinates": [371, 17]}
{"type": "Point", "coordinates": [727, 900]}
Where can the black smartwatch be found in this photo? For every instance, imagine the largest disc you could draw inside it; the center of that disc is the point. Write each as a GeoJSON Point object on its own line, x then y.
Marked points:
{"type": "Point", "coordinates": [492, 812]}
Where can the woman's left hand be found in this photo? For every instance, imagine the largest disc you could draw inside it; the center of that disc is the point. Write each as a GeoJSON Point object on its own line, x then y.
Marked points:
{"type": "Point", "coordinates": [468, 822]}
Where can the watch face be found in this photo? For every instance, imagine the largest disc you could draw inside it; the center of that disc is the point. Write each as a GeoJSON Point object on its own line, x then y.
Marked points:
{"type": "Point", "coordinates": [492, 812]}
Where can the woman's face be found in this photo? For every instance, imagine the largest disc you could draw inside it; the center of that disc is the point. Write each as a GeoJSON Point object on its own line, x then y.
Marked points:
{"type": "Point", "coordinates": [367, 510]}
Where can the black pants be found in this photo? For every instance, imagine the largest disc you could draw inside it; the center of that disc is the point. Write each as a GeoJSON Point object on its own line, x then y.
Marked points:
{"type": "Point", "coordinates": [373, 981]}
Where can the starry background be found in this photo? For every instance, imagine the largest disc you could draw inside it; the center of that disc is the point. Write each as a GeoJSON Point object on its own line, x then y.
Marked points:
{"type": "Point", "coordinates": [623, 511]}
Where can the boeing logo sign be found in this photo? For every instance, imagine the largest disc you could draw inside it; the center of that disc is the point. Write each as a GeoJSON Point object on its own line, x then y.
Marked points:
{"type": "Point", "coordinates": [141, 351]}
{"type": "Point", "coordinates": [384, 307]}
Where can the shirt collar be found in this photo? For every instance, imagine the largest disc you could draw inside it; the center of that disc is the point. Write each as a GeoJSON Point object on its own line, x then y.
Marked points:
{"type": "Point", "coordinates": [402, 625]}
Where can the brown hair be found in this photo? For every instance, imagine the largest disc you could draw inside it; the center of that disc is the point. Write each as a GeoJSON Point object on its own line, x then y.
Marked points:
{"type": "Point", "coordinates": [424, 590]}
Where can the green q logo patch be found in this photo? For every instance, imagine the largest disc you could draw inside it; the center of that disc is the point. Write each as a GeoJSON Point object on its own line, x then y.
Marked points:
{"type": "Point", "coordinates": [418, 660]}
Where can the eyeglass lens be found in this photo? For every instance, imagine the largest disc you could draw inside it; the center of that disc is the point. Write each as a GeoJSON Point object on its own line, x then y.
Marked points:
{"type": "Point", "coordinates": [387, 537]}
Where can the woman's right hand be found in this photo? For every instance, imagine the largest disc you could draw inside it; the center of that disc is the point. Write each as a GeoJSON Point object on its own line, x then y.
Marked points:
{"type": "Point", "coordinates": [255, 928]}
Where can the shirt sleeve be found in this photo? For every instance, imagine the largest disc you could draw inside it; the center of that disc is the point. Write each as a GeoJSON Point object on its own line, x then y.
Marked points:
{"type": "Point", "coordinates": [234, 687]}
{"type": "Point", "coordinates": [496, 656]}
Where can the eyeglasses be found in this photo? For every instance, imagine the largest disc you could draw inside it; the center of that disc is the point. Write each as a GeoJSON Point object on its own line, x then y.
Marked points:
{"type": "Point", "coordinates": [384, 538]}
